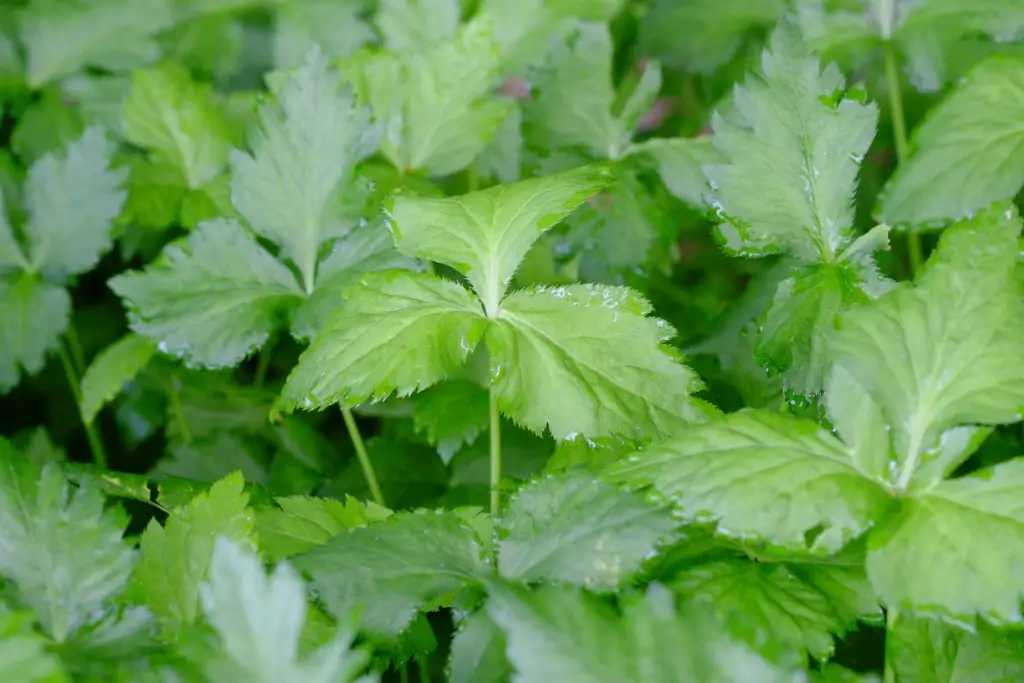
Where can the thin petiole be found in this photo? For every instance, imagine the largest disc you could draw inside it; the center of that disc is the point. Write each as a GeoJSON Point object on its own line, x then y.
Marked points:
{"type": "Point", "coordinates": [99, 456]}
{"type": "Point", "coordinates": [495, 454]}
{"type": "Point", "coordinates": [899, 131]}
{"type": "Point", "coordinates": [363, 456]}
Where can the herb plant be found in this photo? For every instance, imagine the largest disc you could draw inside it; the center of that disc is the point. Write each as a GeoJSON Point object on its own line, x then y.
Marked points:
{"type": "Point", "coordinates": [670, 341]}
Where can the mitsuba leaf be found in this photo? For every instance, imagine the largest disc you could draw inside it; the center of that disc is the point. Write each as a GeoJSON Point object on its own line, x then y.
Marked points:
{"type": "Point", "coordinates": [63, 552]}
{"type": "Point", "coordinates": [336, 27]}
{"type": "Point", "coordinates": [963, 155]}
{"type": "Point", "coordinates": [391, 569]}
{"type": "Point", "coordinates": [301, 523]}
{"type": "Point", "coordinates": [451, 415]}
{"type": "Point", "coordinates": [612, 532]}
{"type": "Point", "coordinates": [33, 315]}
{"type": "Point", "coordinates": [110, 370]}
{"type": "Point", "coordinates": [417, 24]}
{"type": "Point", "coordinates": [921, 650]}
{"type": "Point", "coordinates": [478, 652]}
{"type": "Point", "coordinates": [23, 655]}
{"type": "Point", "coordinates": [680, 163]}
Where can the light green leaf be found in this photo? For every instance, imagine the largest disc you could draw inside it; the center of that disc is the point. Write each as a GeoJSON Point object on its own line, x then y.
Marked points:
{"type": "Point", "coordinates": [586, 360]}
{"type": "Point", "coordinates": [23, 654]}
{"type": "Point", "coordinates": [62, 550]}
{"type": "Point", "coordinates": [394, 568]}
{"type": "Point", "coordinates": [945, 352]}
{"type": "Point", "coordinates": [437, 106]}
{"type": "Point", "coordinates": [502, 159]}
{"type": "Point", "coordinates": [417, 24]}
{"type": "Point", "coordinates": [176, 556]}
{"type": "Point", "coordinates": [62, 38]}
{"type": "Point", "coordinates": [303, 150]}
{"type": "Point", "coordinates": [155, 195]}
{"type": "Point", "coordinates": [260, 618]}
{"type": "Point", "coordinates": [33, 315]}
{"type": "Point", "coordinates": [47, 125]}
{"type": "Point", "coordinates": [302, 523]}
{"type": "Point", "coordinates": [765, 475]}
{"type": "Point", "coordinates": [451, 415]}
{"type": "Point", "coordinates": [11, 253]}
{"type": "Point", "coordinates": [112, 367]}
{"type": "Point", "coordinates": [478, 652]}
{"type": "Point", "coordinates": [211, 300]}
{"type": "Point", "coordinates": [702, 35]}
{"type": "Point", "coordinates": [564, 634]}
{"type": "Point", "coordinates": [924, 650]}
{"type": "Point", "coordinates": [680, 162]}
{"type": "Point", "coordinates": [791, 158]}
{"type": "Point", "coordinates": [486, 234]}
{"type": "Point", "coordinates": [72, 198]}
{"type": "Point", "coordinates": [963, 157]}
{"type": "Point", "coordinates": [574, 100]}
{"type": "Point", "coordinates": [398, 332]}
{"type": "Point", "coordinates": [178, 121]}
{"type": "Point", "coordinates": [971, 527]}
{"type": "Point", "coordinates": [336, 27]}
{"type": "Point", "coordinates": [574, 528]}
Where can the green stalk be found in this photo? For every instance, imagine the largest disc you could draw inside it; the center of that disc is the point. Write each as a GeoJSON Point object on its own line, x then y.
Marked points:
{"type": "Point", "coordinates": [421, 665]}
{"type": "Point", "coordinates": [899, 131]}
{"type": "Point", "coordinates": [363, 456]}
{"type": "Point", "coordinates": [891, 615]}
{"type": "Point", "coordinates": [77, 354]}
{"type": "Point", "coordinates": [495, 454]}
{"type": "Point", "coordinates": [99, 457]}
{"type": "Point", "coordinates": [179, 412]}
{"type": "Point", "coordinates": [262, 364]}
{"type": "Point", "coordinates": [403, 672]}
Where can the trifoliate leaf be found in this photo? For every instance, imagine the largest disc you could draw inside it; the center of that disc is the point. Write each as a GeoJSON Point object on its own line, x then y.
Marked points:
{"type": "Point", "coordinates": [178, 121]}
{"type": "Point", "coordinates": [574, 99]}
{"type": "Point", "coordinates": [398, 332]}
{"type": "Point", "coordinates": [680, 162]}
{"type": "Point", "coordinates": [302, 523]}
{"type": "Point", "coordinates": [176, 556]}
{"type": "Point", "coordinates": [437, 106]}
{"type": "Point", "coordinates": [791, 158]}
{"type": "Point", "coordinates": [922, 650]}
{"type": "Point", "coordinates": [364, 249]}
{"type": "Point", "coordinates": [72, 198]}
{"type": "Point", "coordinates": [564, 634]}
{"type": "Point", "coordinates": [486, 234]}
{"type": "Point", "coordinates": [702, 35]}
{"type": "Point", "coordinates": [417, 24]}
{"type": "Point", "coordinates": [972, 527]}
{"type": "Point", "coordinates": [962, 156]}
{"type": "Point", "coordinates": [945, 352]}
{"type": "Point", "coordinates": [23, 655]}
{"type": "Point", "coordinates": [764, 475]}
{"type": "Point", "coordinates": [586, 359]}
{"type": "Point", "coordinates": [110, 370]}
{"type": "Point", "coordinates": [211, 300]}
{"type": "Point", "coordinates": [63, 37]}
{"type": "Point", "coordinates": [573, 528]}
{"type": "Point", "coordinates": [394, 568]}
{"type": "Point", "coordinates": [303, 149]}
{"type": "Point", "coordinates": [478, 652]}
{"type": "Point", "coordinates": [336, 27]}
{"type": "Point", "coordinates": [259, 620]}
{"type": "Point", "coordinates": [33, 315]}
{"type": "Point", "coordinates": [61, 549]}
{"type": "Point", "coordinates": [451, 415]}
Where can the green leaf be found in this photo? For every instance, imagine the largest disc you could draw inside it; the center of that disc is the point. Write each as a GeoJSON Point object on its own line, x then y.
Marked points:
{"type": "Point", "coordinates": [155, 194]}
{"type": "Point", "coordinates": [23, 654]}
{"type": "Point", "coordinates": [451, 415]}
{"type": "Point", "coordinates": [486, 234]}
{"type": "Point", "coordinates": [33, 315]}
{"type": "Point", "coordinates": [963, 157]}
{"type": "Point", "coordinates": [765, 475]}
{"type": "Point", "coordinates": [336, 27]}
{"type": "Point", "coordinates": [211, 300]}
{"type": "Point", "coordinates": [62, 37]}
{"type": "Point", "coordinates": [563, 634]}
{"type": "Point", "coordinates": [929, 651]}
{"type": "Point", "coordinates": [680, 163]}
{"type": "Point", "coordinates": [417, 24]}
{"type": "Point", "coordinates": [585, 359]}
{"type": "Point", "coordinates": [62, 550]}
{"type": "Point", "coordinates": [45, 126]}
{"type": "Point", "coordinates": [437, 106]}
{"type": "Point", "coordinates": [110, 370]}
{"type": "Point", "coordinates": [260, 618]}
{"type": "Point", "coordinates": [478, 652]}
{"type": "Point", "coordinates": [176, 556]}
{"type": "Point", "coordinates": [307, 141]}
{"type": "Point", "coordinates": [111, 483]}
{"type": "Point", "coordinates": [574, 100]}
{"type": "Point", "coordinates": [178, 121]}
{"type": "Point", "coordinates": [302, 523]}
{"type": "Point", "coordinates": [573, 528]}
{"type": "Point", "coordinates": [702, 35]}
{"type": "Point", "coordinates": [971, 527]}
{"type": "Point", "coordinates": [11, 253]}
{"type": "Point", "coordinates": [394, 568]}
{"type": "Point", "coordinates": [944, 352]}
{"type": "Point", "coordinates": [791, 158]}
{"type": "Point", "coordinates": [399, 332]}
{"type": "Point", "coordinates": [72, 197]}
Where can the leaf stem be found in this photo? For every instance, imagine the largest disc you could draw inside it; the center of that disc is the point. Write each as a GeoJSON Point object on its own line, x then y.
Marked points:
{"type": "Point", "coordinates": [174, 395]}
{"type": "Point", "coordinates": [75, 345]}
{"type": "Point", "coordinates": [899, 132]}
{"type": "Point", "coordinates": [891, 615]}
{"type": "Point", "coordinates": [263, 364]}
{"type": "Point", "coordinates": [99, 457]}
{"type": "Point", "coordinates": [363, 456]}
{"type": "Point", "coordinates": [424, 670]}
{"type": "Point", "coordinates": [495, 454]}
